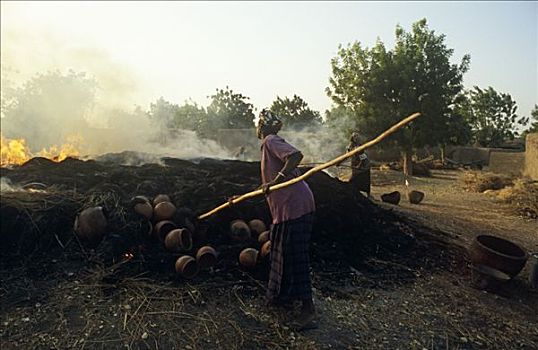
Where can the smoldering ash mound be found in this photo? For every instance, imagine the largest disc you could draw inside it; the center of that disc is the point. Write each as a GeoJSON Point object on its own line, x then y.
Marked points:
{"type": "Point", "coordinates": [37, 217]}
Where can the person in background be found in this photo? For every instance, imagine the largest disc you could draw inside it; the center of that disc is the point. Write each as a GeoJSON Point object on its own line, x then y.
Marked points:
{"type": "Point", "coordinates": [241, 153]}
{"type": "Point", "coordinates": [292, 210]}
{"type": "Point", "coordinates": [360, 166]}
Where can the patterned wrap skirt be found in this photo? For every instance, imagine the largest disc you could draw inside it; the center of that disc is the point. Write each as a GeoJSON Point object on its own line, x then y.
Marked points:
{"type": "Point", "coordinates": [360, 180]}
{"type": "Point", "coordinates": [289, 275]}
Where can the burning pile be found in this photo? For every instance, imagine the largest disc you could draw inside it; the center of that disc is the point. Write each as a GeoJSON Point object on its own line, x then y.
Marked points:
{"type": "Point", "coordinates": [165, 234]}
{"type": "Point", "coordinates": [16, 151]}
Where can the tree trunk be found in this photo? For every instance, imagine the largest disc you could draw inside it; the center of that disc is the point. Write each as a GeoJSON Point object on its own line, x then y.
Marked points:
{"type": "Point", "coordinates": [442, 148]}
{"type": "Point", "coordinates": [407, 163]}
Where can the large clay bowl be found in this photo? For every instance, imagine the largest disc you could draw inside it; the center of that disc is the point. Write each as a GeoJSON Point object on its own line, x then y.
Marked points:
{"type": "Point", "coordinates": [498, 253]}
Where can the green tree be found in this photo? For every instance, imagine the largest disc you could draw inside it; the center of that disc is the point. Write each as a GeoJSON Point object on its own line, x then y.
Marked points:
{"type": "Point", "coordinates": [457, 129]}
{"type": "Point", "coordinates": [228, 110]}
{"type": "Point", "coordinates": [48, 107]}
{"type": "Point", "coordinates": [342, 119]}
{"type": "Point", "coordinates": [491, 115]}
{"type": "Point", "coordinates": [383, 86]}
{"type": "Point", "coordinates": [189, 116]}
{"type": "Point", "coordinates": [170, 116]}
{"type": "Point", "coordinates": [295, 112]}
{"type": "Point", "coordinates": [162, 113]}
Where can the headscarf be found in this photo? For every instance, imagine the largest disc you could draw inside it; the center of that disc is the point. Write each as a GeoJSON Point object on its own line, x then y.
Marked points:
{"type": "Point", "coordinates": [356, 138]}
{"type": "Point", "coordinates": [269, 118]}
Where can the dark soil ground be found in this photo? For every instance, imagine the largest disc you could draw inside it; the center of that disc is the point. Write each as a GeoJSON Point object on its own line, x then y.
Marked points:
{"type": "Point", "coordinates": [383, 276]}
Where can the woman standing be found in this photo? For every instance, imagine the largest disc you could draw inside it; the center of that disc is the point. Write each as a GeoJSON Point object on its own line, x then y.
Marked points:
{"type": "Point", "coordinates": [292, 209]}
{"type": "Point", "coordinates": [360, 166]}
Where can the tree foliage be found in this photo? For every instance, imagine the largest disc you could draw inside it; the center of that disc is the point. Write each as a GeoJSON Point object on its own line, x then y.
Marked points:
{"type": "Point", "coordinates": [230, 110]}
{"type": "Point", "coordinates": [48, 107]}
{"type": "Point", "coordinates": [162, 113]}
{"type": "Point", "coordinates": [170, 117]}
{"type": "Point", "coordinates": [491, 115]}
{"type": "Point", "coordinates": [295, 112]}
{"type": "Point", "coordinates": [382, 86]}
{"type": "Point", "coordinates": [189, 116]}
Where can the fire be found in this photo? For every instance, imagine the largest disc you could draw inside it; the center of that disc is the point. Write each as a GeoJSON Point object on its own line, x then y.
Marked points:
{"type": "Point", "coordinates": [68, 149]}
{"type": "Point", "coordinates": [13, 151]}
{"type": "Point", "coordinates": [16, 151]}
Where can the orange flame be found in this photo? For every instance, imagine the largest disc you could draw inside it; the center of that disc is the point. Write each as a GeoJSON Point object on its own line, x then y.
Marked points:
{"type": "Point", "coordinates": [15, 151]}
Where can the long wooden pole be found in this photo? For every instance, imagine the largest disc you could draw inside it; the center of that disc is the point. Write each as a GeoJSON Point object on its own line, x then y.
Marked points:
{"type": "Point", "coordinates": [310, 172]}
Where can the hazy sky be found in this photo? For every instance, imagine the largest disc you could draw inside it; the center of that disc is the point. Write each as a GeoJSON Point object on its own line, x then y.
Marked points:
{"type": "Point", "coordinates": [140, 51]}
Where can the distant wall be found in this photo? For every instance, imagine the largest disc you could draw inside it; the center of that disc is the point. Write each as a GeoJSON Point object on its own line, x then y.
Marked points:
{"type": "Point", "coordinates": [507, 163]}
{"type": "Point", "coordinates": [531, 156]}
{"type": "Point", "coordinates": [469, 155]}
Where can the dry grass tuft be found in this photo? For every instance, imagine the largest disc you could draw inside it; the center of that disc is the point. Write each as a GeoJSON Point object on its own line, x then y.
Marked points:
{"type": "Point", "coordinates": [523, 195]}
{"type": "Point", "coordinates": [476, 181]}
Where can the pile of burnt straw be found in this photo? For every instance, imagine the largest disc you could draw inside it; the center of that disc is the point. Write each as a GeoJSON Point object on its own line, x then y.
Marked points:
{"type": "Point", "coordinates": [37, 217]}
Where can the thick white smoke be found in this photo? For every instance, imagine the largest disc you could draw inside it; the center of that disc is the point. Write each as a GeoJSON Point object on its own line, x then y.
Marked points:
{"type": "Point", "coordinates": [67, 91]}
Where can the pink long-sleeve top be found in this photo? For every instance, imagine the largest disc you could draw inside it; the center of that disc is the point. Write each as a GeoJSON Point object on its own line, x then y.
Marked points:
{"type": "Point", "coordinates": [291, 202]}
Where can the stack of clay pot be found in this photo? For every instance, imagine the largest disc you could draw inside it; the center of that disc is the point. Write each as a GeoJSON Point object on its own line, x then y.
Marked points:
{"type": "Point", "coordinates": [250, 257]}
{"type": "Point", "coordinates": [174, 234]}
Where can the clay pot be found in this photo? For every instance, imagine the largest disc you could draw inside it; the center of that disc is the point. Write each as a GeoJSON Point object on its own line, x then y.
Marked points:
{"type": "Point", "coordinates": [248, 257]}
{"type": "Point", "coordinates": [178, 240]}
{"type": "Point", "coordinates": [164, 211]}
{"type": "Point", "coordinates": [160, 198]}
{"type": "Point", "coordinates": [139, 199]}
{"type": "Point", "coordinates": [239, 231]}
{"type": "Point", "coordinates": [162, 228]}
{"type": "Point", "coordinates": [265, 249]}
{"type": "Point", "coordinates": [186, 266]}
{"type": "Point", "coordinates": [257, 227]}
{"type": "Point", "coordinates": [90, 224]}
{"type": "Point", "coordinates": [206, 257]}
{"type": "Point", "coordinates": [415, 197]}
{"type": "Point", "coordinates": [144, 209]}
{"type": "Point", "coordinates": [498, 253]}
{"type": "Point", "coordinates": [263, 237]}
{"type": "Point", "coordinates": [392, 198]}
